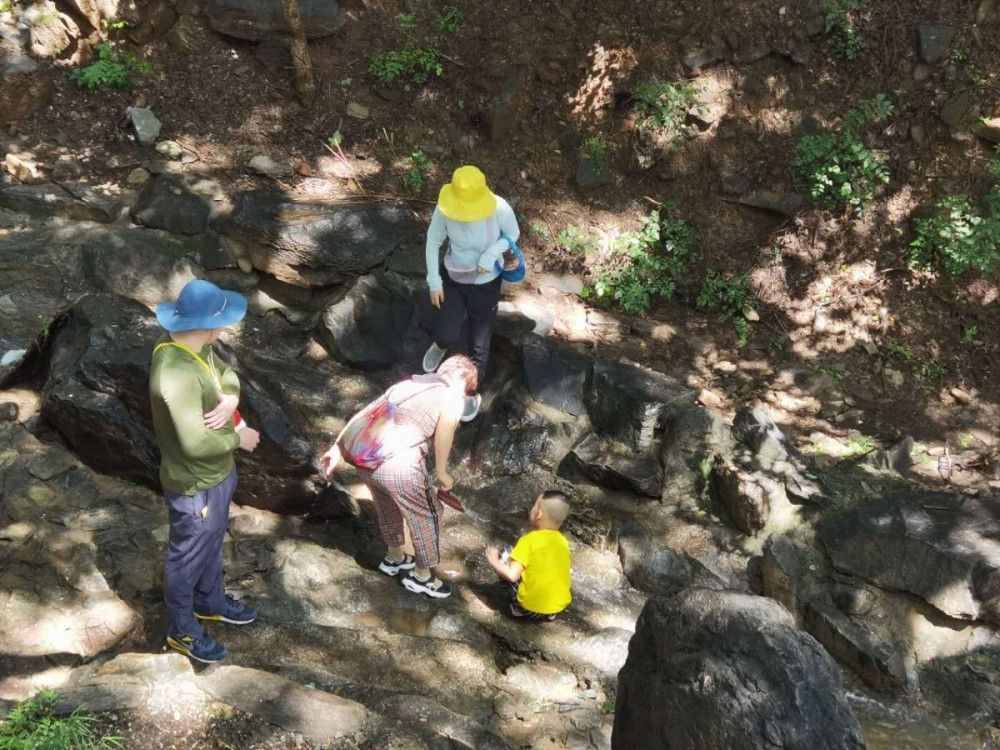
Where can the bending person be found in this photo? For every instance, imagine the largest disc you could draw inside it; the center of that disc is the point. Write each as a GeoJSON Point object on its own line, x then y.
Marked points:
{"type": "Point", "coordinates": [193, 397]}
{"type": "Point", "coordinates": [423, 408]}
{"type": "Point", "coordinates": [466, 284]}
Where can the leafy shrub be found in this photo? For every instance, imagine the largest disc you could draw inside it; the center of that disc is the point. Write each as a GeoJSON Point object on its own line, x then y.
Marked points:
{"type": "Point", "coordinates": [958, 236]}
{"type": "Point", "coordinates": [730, 298]}
{"type": "Point", "coordinates": [838, 168]}
{"type": "Point", "coordinates": [417, 165]}
{"type": "Point", "coordinates": [839, 29]}
{"type": "Point", "coordinates": [575, 241]}
{"type": "Point", "coordinates": [663, 105]}
{"type": "Point", "coordinates": [32, 726]}
{"type": "Point", "coordinates": [419, 64]}
{"type": "Point", "coordinates": [112, 69]}
{"type": "Point", "coordinates": [406, 21]}
{"type": "Point", "coordinates": [644, 264]}
{"type": "Point", "coordinates": [449, 21]}
{"type": "Point", "coordinates": [901, 351]}
{"type": "Point", "coordinates": [597, 150]}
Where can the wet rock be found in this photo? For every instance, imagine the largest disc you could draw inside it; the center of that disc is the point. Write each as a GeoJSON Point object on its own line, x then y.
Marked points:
{"type": "Point", "coordinates": [555, 373]}
{"type": "Point", "coordinates": [629, 404]}
{"type": "Point", "coordinates": [781, 572]}
{"type": "Point", "coordinates": [318, 716]}
{"type": "Point", "coordinates": [263, 19]}
{"type": "Point", "coordinates": [612, 465]}
{"type": "Point", "coordinates": [96, 396]}
{"type": "Point", "coordinates": [307, 244]}
{"type": "Point", "coordinates": [77, 202]}
{"type": "Point", "coordinates": [371, 328]}
{"type": "Point", "coordinates": [871, 659]}
{"type": "Point", "coordinates": [167, 203]}
{"type": "Point", "coordinates": [746, 495]}
{"type": "Point", "coordinates": [786, 204]}
{"type": "Point", "coordinates": [514, 439]}
{"type": "Point", "coordinates": [712, 669]}
{"type": "Point", "coordinates": [25, 86]}
{"type": "Point", "coordinates": [147, 127]}
{"type": "Point", "coordinates": [935, 39]}
{"type": "Point", "coordinates": [936, 546]}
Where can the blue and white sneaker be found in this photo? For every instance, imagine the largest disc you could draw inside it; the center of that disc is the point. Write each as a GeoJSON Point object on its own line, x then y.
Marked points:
{"type": "Point", "coordinates": [205, 649]}
{"type": "Point", "coordinates": [236, 613]}
{"type": "Point", "coordinates": [391, 566]}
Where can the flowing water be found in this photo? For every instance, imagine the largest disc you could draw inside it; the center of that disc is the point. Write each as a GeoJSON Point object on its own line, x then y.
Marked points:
{"type": "Point", "coordinates": [911, 725]}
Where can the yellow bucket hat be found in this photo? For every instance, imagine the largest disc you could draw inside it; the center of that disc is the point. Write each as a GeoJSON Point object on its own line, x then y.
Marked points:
{"type": "Point", "coordinates": [466, 197]}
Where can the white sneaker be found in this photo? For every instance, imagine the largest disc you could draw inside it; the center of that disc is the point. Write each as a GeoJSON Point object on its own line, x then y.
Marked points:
{"type": "Point", "coordinates": [433, 357]}
{"type": "Point", "coordinates": [471, 409]}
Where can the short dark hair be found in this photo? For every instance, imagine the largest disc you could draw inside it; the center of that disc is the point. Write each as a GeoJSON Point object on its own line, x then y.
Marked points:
{"type": "Point", "coordinates": [555, 495]}
{"type": "Point", "coordinates": [555, 505]}
{"type": "Point", "coordinates": [460, 367]}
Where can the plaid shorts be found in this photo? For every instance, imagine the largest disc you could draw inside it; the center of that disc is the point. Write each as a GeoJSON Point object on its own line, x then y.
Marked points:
{"type": "Point", "coordinates": [403, 492]}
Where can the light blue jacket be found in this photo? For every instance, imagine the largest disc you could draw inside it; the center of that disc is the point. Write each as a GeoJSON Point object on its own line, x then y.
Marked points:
{"type": "Point", "coordinates": [471, 245]}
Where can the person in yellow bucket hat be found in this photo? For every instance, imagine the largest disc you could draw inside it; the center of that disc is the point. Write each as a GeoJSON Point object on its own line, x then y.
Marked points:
{"type": "Point", "coordinates": [466, 283]}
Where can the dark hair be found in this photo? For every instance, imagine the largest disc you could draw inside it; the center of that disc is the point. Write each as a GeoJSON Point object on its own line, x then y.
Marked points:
{"type": "Point", "coordinates": [555, 495]}
{"type": "Point", "coordinates": [460, 367]}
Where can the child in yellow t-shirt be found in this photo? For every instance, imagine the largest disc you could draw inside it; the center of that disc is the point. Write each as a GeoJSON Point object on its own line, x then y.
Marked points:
{"type": "Point", "coordinates": [538, 567]}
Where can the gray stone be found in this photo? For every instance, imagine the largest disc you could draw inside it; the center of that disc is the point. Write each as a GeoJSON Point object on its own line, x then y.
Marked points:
{"type": "Point", "coordinates": [25, 86]}
{"type": "Point", "coordinates": [693, 438]}
{"type": "Point", "coordinates": [147, 127]}
{"type": "Point", "coordinates": [514, 440]}
{"type": "Point", "coordinates": [781, 572]}
{"type": "Point", "coordinates": [170, 149]}
{"type": "Point", "coordinates": [137, 177]}
{"type": "Point", "coordinates": [956, 109]}
{"type": "Point", "coordinates": [786, 204]}
{"type": "Point", "coordinates": [456, 730]}
{"type": "Point", "coordinates": [988, 129]}
{"type": "Point", "coordinates": [265, 165]}
{"type": "Point", "coordinates": [263, 19]}
{"type": "Point", "coordinates": [934, 40]}
{"type": "Point", "coordinates": [871, 659]}
{"type": "Point", "coordinates": [936, 546]}
{"type": "Point", "coordinates": [735, 184]}
{"type": "Point", "coordinates": [77, 202]}
{"type": "Point", "coordinates": [555, 373]}
{"type": "Point", "coordinates": [51, 31]}
{"type": "Point", "coordinates": [611, 465]}
{"type": "Point", "coordinates": [167, 202]}
{"type": "Point", "coordinates": [746, 495]}
{"type": "Point", "coordinates": [628, 404]}
{"type": "Point", "coordinates": [700, 57]}
{"type": "Point", "coordinates": [591, 174]}
{"type": "Point", "coordinates": [896, 458]}
{"type": "Point", "coordinates": [709, 670]}
{"type": "Point", "coordinates": [852, 600]}
{"type": "Point", "coordinates": [570, 140]}
{"type": "Point", "coordinates": [8, 411]}
{"type": "Point", "coordinates": [307, 245]}
{"type": "Point", "coordinates": [320, 717]}
{"type": "Point", "coordinates": [191, 35]}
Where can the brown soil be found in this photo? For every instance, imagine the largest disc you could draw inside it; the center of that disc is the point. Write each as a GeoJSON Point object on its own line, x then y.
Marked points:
{"type": "Point", "coordinates": [825, 285]}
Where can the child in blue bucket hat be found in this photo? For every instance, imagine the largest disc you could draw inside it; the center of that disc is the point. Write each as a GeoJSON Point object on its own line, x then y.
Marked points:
{"type": "Point", "coordinates": [193, 398]}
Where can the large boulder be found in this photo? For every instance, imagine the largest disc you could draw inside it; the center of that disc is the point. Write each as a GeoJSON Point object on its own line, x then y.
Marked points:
{"type": "Point", "coordinates": [25, 86]}
{"type": "Point", "coordinates": [693, 438]}
{"type": "Point", "coordinates": [264, 19]}
{"type": "Point", "coordinates": [80, 203]}
{"type": "Point", "coordinates": [611, 465]}
{"type": "Point", "coordinates": [514, 439]}
{"type": "Point", "coordinates": [555, 373]}
{"type": "Point", "coordinates": [165, 202]}
{"type": "Point", "coordinates": [313, 244]}
{"type": "Point", "coordinates": [629, 404]}
{"type": "Point", "coordinates": [938, 546]}
{"type": "Point", "coordinates": [95, 363]}
{"type": "Point", "coordinates": [719, 669]}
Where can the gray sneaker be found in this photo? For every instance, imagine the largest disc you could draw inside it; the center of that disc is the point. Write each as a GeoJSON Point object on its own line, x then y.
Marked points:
{"type": "Point", "coordinates": [471, 410]}
{"type": "Point", "coordinates": [433, 358]}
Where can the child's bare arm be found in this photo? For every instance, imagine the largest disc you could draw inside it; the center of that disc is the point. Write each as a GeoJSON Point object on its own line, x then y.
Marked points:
{"type": "Point", "coordinates": [510, 571]}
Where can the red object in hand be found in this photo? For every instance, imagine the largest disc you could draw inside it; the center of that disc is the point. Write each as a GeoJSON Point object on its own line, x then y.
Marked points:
{"type": "Point", "coordinates": [446, 497]}
{"type": "Point", "coordinates": [238, 421]}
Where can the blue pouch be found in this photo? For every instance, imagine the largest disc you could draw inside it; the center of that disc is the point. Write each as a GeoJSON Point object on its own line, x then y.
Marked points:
{"type": "Point", "coordinates": [518, 273]}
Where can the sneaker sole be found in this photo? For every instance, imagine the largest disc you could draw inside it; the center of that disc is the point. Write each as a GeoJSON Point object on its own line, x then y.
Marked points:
{"type": "Point", "coordinates": [222, 618]}
{"type": "Point", "coordinates": [178, 646]}
{"type": "Point", "coordinates": [437, 364]}
{"type": "Point", "coordinates": [416, 588]}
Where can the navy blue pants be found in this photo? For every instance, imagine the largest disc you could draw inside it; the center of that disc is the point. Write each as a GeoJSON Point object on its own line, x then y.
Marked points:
{"type": "Point", "coordinates": [478, 303]}
{"type": "Point", "coordinates": [192, 576]}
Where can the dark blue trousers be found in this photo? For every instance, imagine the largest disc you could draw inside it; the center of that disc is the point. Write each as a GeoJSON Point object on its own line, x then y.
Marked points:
{"type": "Point", "coordinates": [192, 576]}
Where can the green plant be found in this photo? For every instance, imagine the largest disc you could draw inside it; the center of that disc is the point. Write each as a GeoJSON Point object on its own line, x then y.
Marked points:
{"type": "Point", "coordinates": [839, 29]}
{"type": "Point", "coordinates": [644, 264]}
{"type": "Point", "coordinates": [419, 64]}
{"type": "Point", "coordinates": [336, 139]}
{"type": "Point", "coordinates": [406, 21]}
{"type": "Point", "coordinates": [597, 150]}
{"type": "Point", "coordinates": [858, 445]}
{"type": "Point", "coordinates": [574, 241]}
{"type": "Point", "coordinates": [970, 334]}
{"type": "Point", "coordinates": [112, 69]}
{"type": "Point", "coordinates": [33, 726]}
{"type": "Point", "coordinates": [833, 372]}
{"type": "Point", "coordinates": [839, 168]}
{"type": "Point", "coordinates": [994, 165]}
{"type": "Point", "coordinates": [345, 82]}
{"type": "Point", "coordinates": [966, 441]}
{"type": "Point", "coordinates": [417, 165]}
{"type": "Point", "coordinates": [934, 371]}
{"type": "Point", "coordinates": [113, 25]}
{"type": "Point", "coordinates": [449, 21]}
{"type": "Point", "coordinates": [664, 105]}
{"type": "Point", "coordinates": [958, 236]}
{"type": "Point", "coordinates": [730, 298]}
{"type": "Point", "coordinates": [900, 351]}
{"type": "Point", "coordinates": [539, 230]}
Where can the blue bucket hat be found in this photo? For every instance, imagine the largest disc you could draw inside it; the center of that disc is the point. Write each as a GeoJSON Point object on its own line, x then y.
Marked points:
{"type": "Point", "coordinates": [201, 305]}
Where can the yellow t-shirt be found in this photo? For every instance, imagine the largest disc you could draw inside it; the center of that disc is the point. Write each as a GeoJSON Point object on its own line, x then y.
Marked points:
{"type": "Point", "coordinates": [545, 582]}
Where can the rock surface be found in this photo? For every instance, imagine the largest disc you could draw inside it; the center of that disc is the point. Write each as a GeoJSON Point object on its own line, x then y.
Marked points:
{"type": "Point", "coordinates": [263, 19]}
{"type": "Point", "coordinates": [710, 669]}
